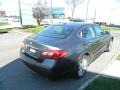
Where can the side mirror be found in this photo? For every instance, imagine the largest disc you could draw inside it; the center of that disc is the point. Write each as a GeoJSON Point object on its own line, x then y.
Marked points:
{"type": "Point", "coordinates": [107, 32]}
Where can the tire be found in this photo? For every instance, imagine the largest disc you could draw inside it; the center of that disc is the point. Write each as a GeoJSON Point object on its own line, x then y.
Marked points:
{"type": "Point", "coordinates": [81, 68]}
{"type": "Point", "coordinates": [109, 47]}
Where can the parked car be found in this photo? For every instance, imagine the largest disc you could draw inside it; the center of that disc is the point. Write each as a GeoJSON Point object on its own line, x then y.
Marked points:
{"type": "Point", "coordinates": [16, 19]}
{"type": "Point", "coordinates": [65, 49]}
{"type": "Point", "coordinates": [76, 20]}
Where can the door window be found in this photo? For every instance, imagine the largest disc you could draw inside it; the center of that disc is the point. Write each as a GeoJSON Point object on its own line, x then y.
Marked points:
{"type": "Point", "coordinates": [87, 32]}
{"type": "Point", "coordinates": [98, 30]}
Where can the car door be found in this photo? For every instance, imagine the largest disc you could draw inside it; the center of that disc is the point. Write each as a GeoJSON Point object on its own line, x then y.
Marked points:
{"type": "Point", "coordinates": [91, 41]}
{"type": "Point", "coordinates": [99, 33]}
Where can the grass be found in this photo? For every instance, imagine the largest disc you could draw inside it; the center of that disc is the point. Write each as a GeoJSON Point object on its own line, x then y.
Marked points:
{"type": "Point", "coordinates": [4, 30]}
{"type": "Point", "coordinates": [118, 57]}
{"type": "Point", "coordinates": [3, 23]}
{"type": "Point", "coordinates": [104, 83]}
{"type": "Point", "coordinates": [110, 28]}
{"type": "Point", "coordinates": [35, 30]}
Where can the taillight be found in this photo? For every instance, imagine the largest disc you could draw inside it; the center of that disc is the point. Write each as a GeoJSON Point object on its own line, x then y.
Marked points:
{"type": "Point", "coordinates": [54, 54]}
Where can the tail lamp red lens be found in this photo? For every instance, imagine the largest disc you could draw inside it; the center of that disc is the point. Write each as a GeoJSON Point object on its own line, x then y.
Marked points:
{"type": "Point", "coordinates": [54, 54]}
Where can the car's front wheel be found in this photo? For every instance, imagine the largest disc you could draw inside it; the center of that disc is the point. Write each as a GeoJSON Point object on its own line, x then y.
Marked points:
{"type": "Point", "coordinates": [82, 67]}
{"type": "Point", "coordinates": [109, 47]}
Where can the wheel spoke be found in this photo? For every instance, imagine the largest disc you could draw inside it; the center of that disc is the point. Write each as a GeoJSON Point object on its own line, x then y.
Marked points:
{"type": "Point", "coordinates": [82, 67]}
{"type": "Point", "coordinates": [110, 45]}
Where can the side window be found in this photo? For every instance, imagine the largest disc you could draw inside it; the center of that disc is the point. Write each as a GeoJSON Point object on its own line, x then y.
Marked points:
{"type": "Point", "coordinates": [98, 30]}
{"type": "Point", "coordinates": [87, 32]}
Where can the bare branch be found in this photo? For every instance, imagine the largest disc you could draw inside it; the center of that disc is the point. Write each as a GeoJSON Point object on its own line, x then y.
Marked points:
{"type": "Point", "coordinates": [39, 11]}
{"type": "Point", "coordinates": [73, 4]}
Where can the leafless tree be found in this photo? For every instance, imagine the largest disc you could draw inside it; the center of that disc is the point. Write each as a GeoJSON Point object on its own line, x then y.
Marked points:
{"type": "Point", "coordinates": [73, 4]}
{"type": "Point", "coordinates": [39, 11]}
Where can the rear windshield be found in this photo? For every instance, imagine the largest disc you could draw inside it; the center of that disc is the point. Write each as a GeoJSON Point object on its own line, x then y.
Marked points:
{"type": "Point", "coordinates": [56, 31]}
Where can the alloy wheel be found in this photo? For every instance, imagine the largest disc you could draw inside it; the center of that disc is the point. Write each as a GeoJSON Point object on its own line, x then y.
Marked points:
{"type": "Point", "coordinates": [82, 67]}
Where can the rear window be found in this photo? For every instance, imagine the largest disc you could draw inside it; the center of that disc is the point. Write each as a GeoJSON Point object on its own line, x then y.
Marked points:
{"type": "Point", "coordinates": [57, 31]}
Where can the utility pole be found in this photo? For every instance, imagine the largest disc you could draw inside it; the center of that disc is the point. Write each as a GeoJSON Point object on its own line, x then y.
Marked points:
{"type": "Point", "coordinates": [95, 16]}
{"type": "Point", "coordinates": [87, 10]}
{"type": "Point", "coordinates": [20, 14]}
{"type": "Point", "coordinates": [51, 12]}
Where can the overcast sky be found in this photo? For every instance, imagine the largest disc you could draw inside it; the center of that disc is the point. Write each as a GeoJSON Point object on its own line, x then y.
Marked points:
{"type": "Point", "coordinates": [105, 9]}
{"type": "Point", "coordinates": [13, 4]}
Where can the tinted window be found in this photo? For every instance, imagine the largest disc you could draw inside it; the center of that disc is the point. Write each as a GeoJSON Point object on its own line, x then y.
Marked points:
{"type": "Point", "coordinates": [88, 32]}
{"type": "Point", "coordinates": [98, 30]}
{"type": "Point", "coordinates": [57, 31]}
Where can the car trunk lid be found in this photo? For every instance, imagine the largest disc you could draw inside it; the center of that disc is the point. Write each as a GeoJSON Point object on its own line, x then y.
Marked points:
{"type": "Point", "coordinates": [35, 46]}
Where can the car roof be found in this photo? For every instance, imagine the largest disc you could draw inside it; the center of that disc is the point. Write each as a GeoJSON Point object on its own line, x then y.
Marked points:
{"type": "Point", "coordinates": [77, 25]}
{"type": "Point", "coordinates": [74, 23]}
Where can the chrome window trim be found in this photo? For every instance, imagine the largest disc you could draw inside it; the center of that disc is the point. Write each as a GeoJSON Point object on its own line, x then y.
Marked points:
{"type": "Point", "coordinates": [78, 34]}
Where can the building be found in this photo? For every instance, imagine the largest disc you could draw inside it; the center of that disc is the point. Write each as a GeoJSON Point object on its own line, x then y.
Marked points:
{"type": "Point", "coordinates": [2, 13]}
{"type": "Point", "coordinates": [58, 12]}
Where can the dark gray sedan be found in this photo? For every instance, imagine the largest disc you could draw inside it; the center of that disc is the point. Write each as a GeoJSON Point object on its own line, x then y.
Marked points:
{"type": "Point", "coordinates": [65, 49]}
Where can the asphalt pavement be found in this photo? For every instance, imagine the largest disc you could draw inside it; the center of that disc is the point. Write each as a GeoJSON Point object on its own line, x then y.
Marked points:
{"type": "Point", "coordinates": [15, 76]}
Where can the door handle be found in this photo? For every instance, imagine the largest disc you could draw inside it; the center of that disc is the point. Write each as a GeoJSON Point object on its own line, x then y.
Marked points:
{"type": "Point", "coordinates": [97, 41]}
{"type": "Point", "coordinates": [101, 37]}
{"type": "Point", "coordinates": [89, 43]}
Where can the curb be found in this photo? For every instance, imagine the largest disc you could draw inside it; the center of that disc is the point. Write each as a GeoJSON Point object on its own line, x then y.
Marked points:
{"type": "Point", "coordinates": [88, 82]}
{"type": "Point", "coordinates": [21, 32]}
{"type": "Point", "coordinates": [96, 76]}
{"type": "Point", "coordinates": [113, 59]}
{"type": "Point", "coordinates": [4, 32]}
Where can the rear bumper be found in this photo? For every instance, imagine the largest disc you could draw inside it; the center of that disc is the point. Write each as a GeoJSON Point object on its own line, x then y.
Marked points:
{"type": "Point", "coordinates": [48, 67]}
{"type": "Point", "coordinates": [40, 70]}
{"type": "Point", "coordinates": [44, 67]}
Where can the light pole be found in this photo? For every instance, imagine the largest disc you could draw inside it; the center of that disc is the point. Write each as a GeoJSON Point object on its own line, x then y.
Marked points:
{"type": "Point", "coordinates": [20, 14]}
{"type": "Point", "coordinates": [95, 16]}
{"type": "Point", "coordinates": [87, 10]}
{"type": "Point", "coordinates": [51, 12]}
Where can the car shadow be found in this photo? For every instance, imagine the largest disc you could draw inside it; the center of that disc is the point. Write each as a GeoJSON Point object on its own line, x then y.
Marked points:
{"type": "Point", "coordinates": [16, 76]}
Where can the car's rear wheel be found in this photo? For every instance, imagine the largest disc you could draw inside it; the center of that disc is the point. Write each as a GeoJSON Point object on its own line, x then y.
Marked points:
{"type": "Point", "coordinates": [82, 67]}
{"type": "Point", "coordinates": [109, 47]}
